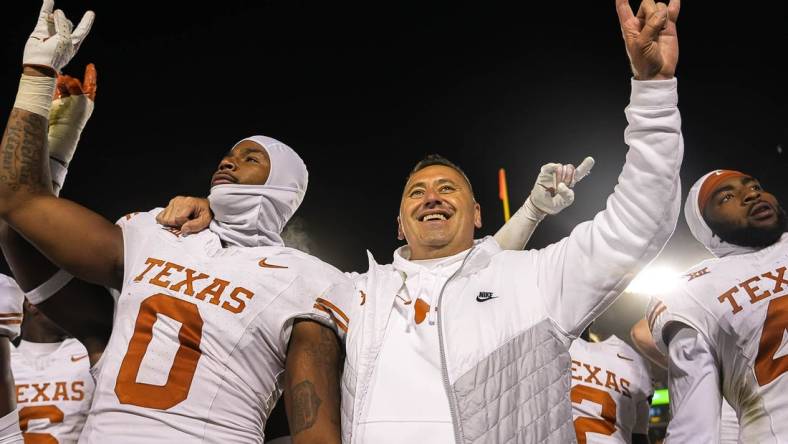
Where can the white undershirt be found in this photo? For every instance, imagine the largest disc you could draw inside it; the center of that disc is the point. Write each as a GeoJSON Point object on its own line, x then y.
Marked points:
{"type": "Point", "coordinates": [407, 401]}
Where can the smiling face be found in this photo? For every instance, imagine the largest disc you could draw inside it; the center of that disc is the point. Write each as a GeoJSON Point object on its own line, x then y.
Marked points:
{"type": "Point", "coordinates": [247, 163]}
{"type": "Point", "coordinates": [741, 212]}
{"type": "Point", "coordinates": [438, 213]}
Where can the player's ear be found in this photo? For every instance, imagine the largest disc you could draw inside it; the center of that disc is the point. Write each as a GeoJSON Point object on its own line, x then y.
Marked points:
{"type": "Point", "coordinates": [477, 215]}
{"type": "Point", "coordinates": [400, 232]}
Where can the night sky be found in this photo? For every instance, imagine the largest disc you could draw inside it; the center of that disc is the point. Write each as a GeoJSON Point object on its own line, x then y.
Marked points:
{"type": "Point", "coordinates": [362, 91]}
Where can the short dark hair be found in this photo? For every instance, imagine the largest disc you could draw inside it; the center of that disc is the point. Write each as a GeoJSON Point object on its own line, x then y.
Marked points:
{"type": "Point", "coordinates": [436, 159]}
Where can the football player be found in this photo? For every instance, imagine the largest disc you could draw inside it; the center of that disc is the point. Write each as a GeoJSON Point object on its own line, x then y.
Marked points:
{"type": "Point", "coordinates": [611, 391]}
{"type": "Point", "coordinates": [210, 328]}
{"type": "Point", "coordinates": [723, 328]}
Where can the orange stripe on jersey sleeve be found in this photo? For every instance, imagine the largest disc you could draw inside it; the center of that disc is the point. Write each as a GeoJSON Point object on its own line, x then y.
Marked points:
{"type": "Point", "coordinates": [333, 307]}
{"type": "Point", "coordinates": [339, 323]}
{"type": "Point", "coordinates": [10, 318]}
{"type": "Point", "coordinates": [650, 314]}
{"type": "Point", "coordinates": [658, 310]}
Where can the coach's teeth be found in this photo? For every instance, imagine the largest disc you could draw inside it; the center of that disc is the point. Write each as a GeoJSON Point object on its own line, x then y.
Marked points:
{"type": "Point", "coordinates": [436, 216]}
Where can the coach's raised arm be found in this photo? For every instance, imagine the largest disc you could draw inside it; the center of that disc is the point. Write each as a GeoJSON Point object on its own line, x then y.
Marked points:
{"type": "Point", "coordinates": [582, 274]}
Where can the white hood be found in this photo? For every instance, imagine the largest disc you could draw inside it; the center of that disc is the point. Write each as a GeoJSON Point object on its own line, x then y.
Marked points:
{"type": "Point", "coordinates": [700, 230]}
{"type": "Point", "coordinates": [254, 215]}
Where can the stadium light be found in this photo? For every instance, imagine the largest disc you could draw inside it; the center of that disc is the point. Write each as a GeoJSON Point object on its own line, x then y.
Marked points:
{"type": "Point", "coordinates": [654, 280]}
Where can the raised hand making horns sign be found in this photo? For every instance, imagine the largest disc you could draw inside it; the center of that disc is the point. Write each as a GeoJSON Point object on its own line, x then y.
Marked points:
{"type": "Point", "coordinates": [650, 38]}
{"type": "Point", "coordinates": [54, 41]}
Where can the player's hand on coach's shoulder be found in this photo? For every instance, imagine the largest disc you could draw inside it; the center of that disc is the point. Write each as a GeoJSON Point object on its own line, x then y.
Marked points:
{"type": "Point", "coordinates": [650, 38]}
{"type": "Point", "coordinates": [188, 214]}
{"type": "Point", "coordinates": [54, 40]}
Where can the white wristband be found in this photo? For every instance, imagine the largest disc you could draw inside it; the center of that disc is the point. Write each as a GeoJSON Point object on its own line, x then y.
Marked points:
{"type": "Point", "coordinates": [49, 288]}
{"type": "Point", "coordinates": [35, 94]}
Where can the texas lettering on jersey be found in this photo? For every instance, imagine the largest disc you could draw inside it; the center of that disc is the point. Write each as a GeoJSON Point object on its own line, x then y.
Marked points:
{"type": "Point", "coordinates": [757, 288]}
{"type": "Point", "coordinates": [201, 335]}
{"type": "Point", "coordinates": [610, 391]}
{"type": "Point", "coordinates": [50, 391]}
{"type": "Point", "coordinates": [591, 374]}
{"type": "Point", "coordinates": [187, 281]}
{"type": "Point", "coordinates": [53, 391]}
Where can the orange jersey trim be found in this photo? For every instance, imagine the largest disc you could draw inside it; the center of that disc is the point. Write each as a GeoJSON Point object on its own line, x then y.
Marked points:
{"type": "Point", "coordinates": [339, 323]}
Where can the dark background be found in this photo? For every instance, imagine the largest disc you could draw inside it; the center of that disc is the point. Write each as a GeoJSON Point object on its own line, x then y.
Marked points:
{"type": "Point", "coordinates": [364, 90]}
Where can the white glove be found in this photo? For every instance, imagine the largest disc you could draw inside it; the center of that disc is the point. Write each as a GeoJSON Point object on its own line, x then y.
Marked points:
{"type": "Point", "coordinates": [552, 191]}
{"type": "Point", "coordinates": [550, 195]}
{"type": "Point", "coordinates": [11, 298]}
{"type": "Point", "coordinates": [52, 43]}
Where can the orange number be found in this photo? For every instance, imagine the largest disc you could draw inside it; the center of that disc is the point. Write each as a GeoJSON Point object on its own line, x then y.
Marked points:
{"type": "Point", "coordinates": [605, 426]}
{"type": "Point", "coordinates": [767, 369]}
{"type": "Point", "coordinates": [50, 412]}
{"type": "Point", "coordinates": [179, 379]}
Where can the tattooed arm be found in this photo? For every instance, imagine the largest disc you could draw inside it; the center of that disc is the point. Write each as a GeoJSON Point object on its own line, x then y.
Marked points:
{"type": "Point", "coordinates": [84, 310]}
{"type": "Point", "coordinates": [73, 237]}
{"type": "Point", "coordinates": [311, 393]}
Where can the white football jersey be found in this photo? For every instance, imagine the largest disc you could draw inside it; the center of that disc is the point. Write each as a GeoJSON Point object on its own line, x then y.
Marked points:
{"type": "Point", "coordinates": [200, 336]}
{"type": "Point", "coordinates": [611, 391]}
{"type": "Point", "coordinates": [53, 390]}
{"type": "Point", "coordinates": [739, 304]}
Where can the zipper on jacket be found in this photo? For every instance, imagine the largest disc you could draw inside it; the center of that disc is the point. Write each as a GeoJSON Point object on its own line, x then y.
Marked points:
{"type": "Point", "coordinates": [444, 367]}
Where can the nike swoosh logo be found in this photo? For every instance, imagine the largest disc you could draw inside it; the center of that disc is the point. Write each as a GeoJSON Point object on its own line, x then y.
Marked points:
{"type": "Point", "coordinates": [78, 358]}
{"type": "Point", "coordinates": [265, 264]}
{"type": "Point", "coordinates": [624, 357]}
{"type": "Point", "coordinates": [485, 298]}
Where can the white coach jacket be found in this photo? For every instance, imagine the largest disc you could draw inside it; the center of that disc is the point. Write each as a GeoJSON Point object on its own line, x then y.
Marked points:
{"type": "Point", "coordinates": [505, 360]}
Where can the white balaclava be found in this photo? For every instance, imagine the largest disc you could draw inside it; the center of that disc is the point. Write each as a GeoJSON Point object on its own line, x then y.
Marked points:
{"type": "Point", "coordinates": [254, 215]}
{"type": "Point", "coordinates": [693, 213]}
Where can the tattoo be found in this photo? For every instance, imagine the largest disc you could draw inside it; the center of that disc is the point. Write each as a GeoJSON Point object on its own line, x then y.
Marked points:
{"type": "Point", "coordinates": [329, 355]}
{"type": "Point", "coordinates": [314, 362]}
{"type": "Point", "coordinates": [24, 151]}
{"type": "Point", "coordinates": [324, 351]}
{"type": "Point", "coordinates": [305, 405]}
